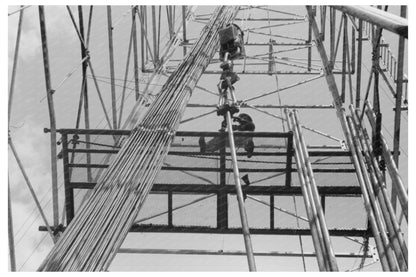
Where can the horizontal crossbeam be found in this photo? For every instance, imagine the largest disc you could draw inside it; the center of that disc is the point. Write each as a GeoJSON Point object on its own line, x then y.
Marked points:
{"type": "Point", "coordinates": [230, 189]}
{"type": "Point", "coordinates": [156, 228]}
{"type": "Point", "coordinates": [231, 253]}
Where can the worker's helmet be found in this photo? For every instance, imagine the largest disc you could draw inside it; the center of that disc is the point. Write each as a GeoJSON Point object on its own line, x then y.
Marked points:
{"type": "Point", "coordinates": [245, 117]}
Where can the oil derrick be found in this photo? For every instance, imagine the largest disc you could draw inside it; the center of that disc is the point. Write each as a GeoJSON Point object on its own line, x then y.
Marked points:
{"type": "Point", "coordinates": [154, 153]}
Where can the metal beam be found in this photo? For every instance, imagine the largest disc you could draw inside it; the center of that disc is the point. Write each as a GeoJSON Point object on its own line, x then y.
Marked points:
{"type": "Point", "coordinates": [135, 54]}
{"type": "Point", "coordinates": [385, 20]}
{"type": "Point", "coordinates": [69, 190]}
{"type": "Point", "coordinates": [12, 252]}
{"type": "Point", "coordinates": [49, 95]}
{"type": "Point", "coordinates": [84, 88]}
{"type": "Point", "coordinates": [222, 196]}
{"type": "Point", "coordinates": [157, 228]}
{"type": "Point", "coordinates": [328, 191]}
{"type": "Point", "coordinates": [198, 105]}
{"type": "Point", "coordinates": [184, 39]}
{"type": "Point", "coordinates": [240, 198]}
{"type": "Point", "coordinates": [209, 169]}
{"type": "Point", "coordinates": [16, 55]}
{"type": "Point", "coordinates": [231, 253]}
{"type": "Point", "coordinates": [398, 110]}
{"type": "Point", "coordinates": [171, 69]}
{"type": "Point", "coordinates": [289, 156]}
{"type": "Point", "coordinates": [111, 54]}
{"type": "Point", "coordinates": [359, 61]}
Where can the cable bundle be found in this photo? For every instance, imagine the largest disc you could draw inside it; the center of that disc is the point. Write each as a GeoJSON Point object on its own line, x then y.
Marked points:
{"type": "Point", "coordinates": [93, 238]}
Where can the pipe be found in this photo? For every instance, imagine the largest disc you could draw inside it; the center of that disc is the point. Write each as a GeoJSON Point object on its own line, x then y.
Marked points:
{"type": "Point", "coordinates": [240, 198]}
{"type": "Point", "coordinates": [392, 225]}
{"type": "Point", "coordinates": [16, 55]}
{"type": "Point", "coordinates": [375, 205]}
{"type": "Point", "coordinates": [359, 61]}
{"type": "Point", "coordinates": [391, 166]}
{"type": "Point", "coordinates": [378, 17]}
{"type": "Point", "coordinates": [316, 198]}
{"type": "Point", "coordinates": [317, 242]}
{"type": "Point", "coordinates": [111, 54]}
{"type": "Point", "coordinates": [84, 90]}
{"type": "Point", "coordinates": [12, 252]}
{"type": "Point", "coordinates": [398, 104]}
{"type": "Point", "coordinates": [135, 55]}
{"type": "Point", "coordinates": [368, 208]}
{"type": "Point", "coordinates": [228, 253]}
{"type": "Point", "coordinates": [344, 56]}
{"type": "Point", "coordinates": [49, 95]}
{"type": "Point", "coordinates": [132, 40]}
{"type": "Point", "coordinates": [184, 29]}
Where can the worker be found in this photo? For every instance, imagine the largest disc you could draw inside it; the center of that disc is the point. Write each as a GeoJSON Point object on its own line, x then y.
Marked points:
{"type": "Point", "coordinates": [245, 124]}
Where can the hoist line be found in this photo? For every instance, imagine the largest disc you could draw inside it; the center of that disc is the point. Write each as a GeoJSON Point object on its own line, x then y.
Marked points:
{"type": "Point", "coordinates": [93, 238]}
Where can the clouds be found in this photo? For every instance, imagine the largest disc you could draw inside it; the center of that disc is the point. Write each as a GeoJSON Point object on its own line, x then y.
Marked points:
{"type": "Point", "coordinates": [32, 147]}
{"type": "Point", "coordinates": [58, 27]}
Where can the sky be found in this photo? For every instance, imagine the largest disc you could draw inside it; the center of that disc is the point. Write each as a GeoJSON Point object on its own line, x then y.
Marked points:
{"type": "Point", "coordinates": [30, 116]}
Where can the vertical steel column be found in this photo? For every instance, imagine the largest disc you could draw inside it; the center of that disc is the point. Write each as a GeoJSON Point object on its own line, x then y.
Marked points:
{"type": "Point", "coordinates": [323, 21]}
{"type": "Point", "coordinates": [289, 159]}
{"type": "Point", "coordinates": [398, 106]}
{"type": "Point", "coordinates": [271, 60]}
{"type": "Point", "coordinates": [359, 61]}
{"type": "Point", "coordinates": [353, 42]}
{"type": "Point", "coordinates": [344, 57]}
{"type": "Point", "coordinates": [349, 71]}
{"type": "Point", "coordinates": [142, 46]}
{"type": "Point", "coordinates": [126, 72]}
{"type": "Point", "coordinates": [12, 252]}
{"type": "Point", "coordinates": [69, 191]}
{"type": "Point", "coordinates": [170, 210]}
{"type": "Point", "coordinates": [271, 211]}
{"type": "Point", "coordinates": [184, 29]}
{"type": "Point", "coordinates": [16, 55]}
{"type": "Point", "coordinates": [240, 199]}
{"type": "Point", "coordinates": [135, 56]}
{"type": "Point", "coordinates": [309, 48]}
{"type": "Point", "coordinates": [84, 89]}
{"type": "Point", "coordinates": [111, 53]}
{"type": "Point", "coordinates": [222, 197]}
{"type": "Point", "coordinates": [49, 96]}
{"type": "Point", "coordinates": [155, 47]}
{"type": "Point", "coordinates": [332, 21]}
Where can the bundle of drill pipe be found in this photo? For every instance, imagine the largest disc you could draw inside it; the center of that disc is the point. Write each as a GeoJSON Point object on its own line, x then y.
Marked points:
{"type": "Point", "coordinates": [94, 236]}
{"type": "Point", "coordinates": [319, 231]}
{"type": "Point", "coordinates": [388, 236]}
